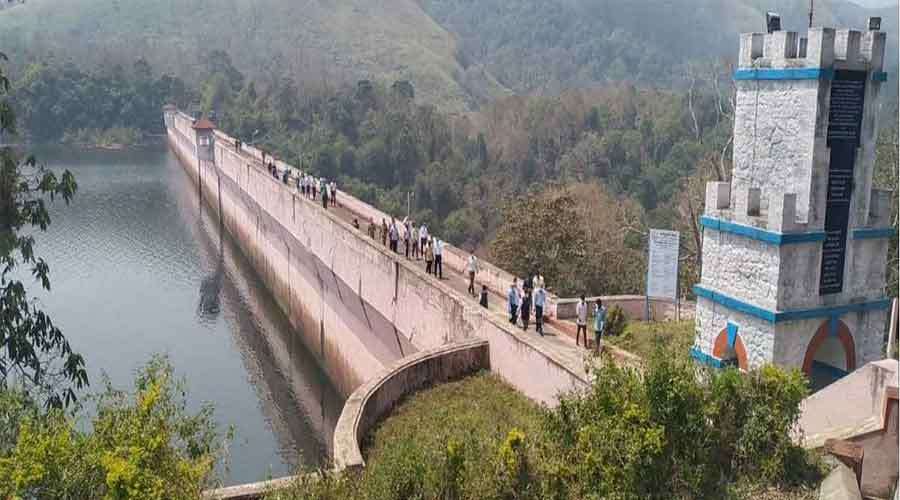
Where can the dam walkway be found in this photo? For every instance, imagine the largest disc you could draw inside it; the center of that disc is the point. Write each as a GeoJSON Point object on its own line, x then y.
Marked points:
{"type": "Point", "coordinates": [557, 337]}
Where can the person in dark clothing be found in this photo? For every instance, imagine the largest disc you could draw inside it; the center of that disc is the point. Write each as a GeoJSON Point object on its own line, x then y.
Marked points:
{"type": "Point", "coordinates": [484, 297]}
{"type": "Point", "coordinates": [528, 284]}
{"type": "Point", "coordinates": [526, 310]}
{"type": "Point", "coordinates": [285, 177]}
{"type": "Point", "coordinates": [356, 223]}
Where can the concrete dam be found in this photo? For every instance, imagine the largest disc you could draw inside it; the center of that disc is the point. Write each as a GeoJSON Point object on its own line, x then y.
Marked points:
{"type": "Point", "coordinates": [356, 305]}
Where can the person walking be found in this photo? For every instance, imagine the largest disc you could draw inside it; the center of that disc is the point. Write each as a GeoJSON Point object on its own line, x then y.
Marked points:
{"type": "Point", "coordinates": [540, 297]}
{"type": "Point", "coordinates": [415, 241]}
{"type": "Point", "coordinates": [526, 309]}
{"type": "Point", "coordinates": [429, 257]}
{"type": "Point", "coordinates": [483, 300]}
{"type": "Point", "coordinates": [384, 232]}
{"type": "Point", "coordinates": [355, 223]}
{"type": "Point", "coordinates": [407, 234]}
{"type": "Point", "coordinates": [512, 300]}
{"type": "Point", "coordinates": [333, 193]}
{"type": "Point", "coordinates": [313, 183]}
{"type": "Point", "coordinates": [423, 236]}
{"type": "Point", "coordinates": [325, 193]}
{"type": "Point", "coordinates": [528, 283]}
{"type": "Point", "coordinates": [599, 325]}
{"type": "Point", "coordinates": [472, 268]}
{"type": "Point", "coordinates": [438, 258]}
{"type": "Point", "coordinates": [393, 237]}
{"type": "Point", "coordinates": [581, 320]}
{"type": "Point", "coordinates": [371, 228]}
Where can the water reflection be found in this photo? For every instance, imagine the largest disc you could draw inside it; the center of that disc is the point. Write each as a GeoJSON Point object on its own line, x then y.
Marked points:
{"type": "Point", "coordinates": [138, 268]}
{"type": "Point", "coordinates": [293, 391]}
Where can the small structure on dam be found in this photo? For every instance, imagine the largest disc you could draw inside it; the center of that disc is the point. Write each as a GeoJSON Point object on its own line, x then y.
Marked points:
{"type": "Point", "coordinates": [795, 246]}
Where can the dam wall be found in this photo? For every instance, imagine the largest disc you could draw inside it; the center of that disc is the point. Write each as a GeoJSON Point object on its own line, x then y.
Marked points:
{"type": "Point", "coordinates": [358, 306]}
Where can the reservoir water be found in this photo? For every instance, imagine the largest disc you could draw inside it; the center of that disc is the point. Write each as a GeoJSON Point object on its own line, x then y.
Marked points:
{"type": "Point", "coordinates": [139, 268]}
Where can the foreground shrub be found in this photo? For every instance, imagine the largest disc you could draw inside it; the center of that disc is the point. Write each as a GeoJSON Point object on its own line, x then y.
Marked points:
{"type": "Point", "coordinates": [144, 445]}
{"type": "Point", "coordinates": [672, 431]}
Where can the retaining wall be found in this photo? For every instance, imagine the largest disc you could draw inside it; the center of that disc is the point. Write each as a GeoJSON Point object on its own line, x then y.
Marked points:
{"type": "Point", "coordinates": [357, 305]}
{"type": "Point", "coordinates": [375, 399]}
{"type": "Point", "coordinates": [634, 307]}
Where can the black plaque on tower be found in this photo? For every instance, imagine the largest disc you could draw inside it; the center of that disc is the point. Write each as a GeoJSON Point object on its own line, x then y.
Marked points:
{"type": "Point", "coordinates": [844, 122]}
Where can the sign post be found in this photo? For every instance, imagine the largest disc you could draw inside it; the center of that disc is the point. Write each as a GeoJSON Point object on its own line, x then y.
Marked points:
{"type": "Point", "coordinates": [662, 267]}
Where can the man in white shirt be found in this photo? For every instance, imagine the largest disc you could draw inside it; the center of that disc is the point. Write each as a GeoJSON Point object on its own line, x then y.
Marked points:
{"type": "Point", "coordinates": [423, 236]}
{"type": "Point", "coordinates": [438, 258]}
{"type": "Point", "coordinates": [581, 320]}
{"type": "Point", "coordinates": [472, 268]}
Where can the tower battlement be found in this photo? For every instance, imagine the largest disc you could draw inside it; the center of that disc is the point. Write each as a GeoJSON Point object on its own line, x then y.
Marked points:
{"type": "Point", "coordinates": [820, 48]}
{"type": "Point", "coordinates": [774, 212]}
{"type": "Point", "coordinates": [794, 247]}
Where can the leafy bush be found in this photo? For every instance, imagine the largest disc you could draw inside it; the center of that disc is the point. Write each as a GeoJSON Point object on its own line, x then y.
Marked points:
{"type": "Point", "coordinates": [671, 431]}
{"type": "Point", "coordinates": [615, 321]}
{"type": "Point", "coordinates": [144, 445]}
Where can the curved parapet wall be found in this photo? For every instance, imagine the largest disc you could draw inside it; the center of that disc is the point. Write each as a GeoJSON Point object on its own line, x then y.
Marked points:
{"type": "Point", "coordinates": [375, 399]}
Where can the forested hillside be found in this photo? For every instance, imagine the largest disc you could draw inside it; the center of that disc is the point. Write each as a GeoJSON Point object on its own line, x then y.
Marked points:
{"type": "Point", "coordinates": [545, 46]}
{"type": "Point", "coordinates": [458, 54]}
{"type": "Point", "coordinates": [268, 40]}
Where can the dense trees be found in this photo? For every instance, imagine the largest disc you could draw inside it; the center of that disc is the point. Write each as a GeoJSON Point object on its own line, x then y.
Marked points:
{"type": "Point", "coordinates": [34, 354]}
{"type": "Point", "coordinates": [52, 99]}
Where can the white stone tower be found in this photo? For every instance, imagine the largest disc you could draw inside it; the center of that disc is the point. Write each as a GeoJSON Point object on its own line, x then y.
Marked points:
{"type": "Point", "coordinates": [794, 248]}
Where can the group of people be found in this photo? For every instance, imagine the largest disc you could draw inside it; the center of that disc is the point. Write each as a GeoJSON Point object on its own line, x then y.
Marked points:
{"type": "Point", "coordinates": [312, 187]}
{"type": "Point", "coordinates": [417, 243]}
{"type": "Point", "coordinates": [520, 301]}
{"type": "Point", "coordinates": [581, 317]}
{"type": "Point", "coordinates": [308, 185]}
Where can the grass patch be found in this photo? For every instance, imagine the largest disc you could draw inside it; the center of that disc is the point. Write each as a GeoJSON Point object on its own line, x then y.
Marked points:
{"type": "Point", "coordinates": [642, 338]}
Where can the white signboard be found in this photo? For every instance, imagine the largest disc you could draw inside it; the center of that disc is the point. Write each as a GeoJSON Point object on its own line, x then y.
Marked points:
{"type": "Point", "coordinates": [662, 264]}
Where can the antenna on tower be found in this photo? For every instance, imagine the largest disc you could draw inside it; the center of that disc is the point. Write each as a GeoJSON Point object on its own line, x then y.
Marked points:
{"type": "Point", "coordinates": [810, 13]}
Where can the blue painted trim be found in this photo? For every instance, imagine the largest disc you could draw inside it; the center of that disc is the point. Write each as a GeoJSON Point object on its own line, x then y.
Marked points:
{"type": "Point", "coordinates": [735, 304]}
{"type": "Point", "coordinates": [732, 330]}
{"type": "Point", "coordinates": [879, 76]}
{"type": "Point", "coordinates": [833, 326]}
{"type": "Point", "coordinates": [706, 359]}
{"type": "Point", "coordinates": [784, 74]}
{"type": "Point", "coordinates": [872, 234]}
{"type": "Point", "coordinates": [777, 317]}
{"type": "Point", "coordinates": [836, 311]}
{"type": "Point", "coordinates": [763, 235]}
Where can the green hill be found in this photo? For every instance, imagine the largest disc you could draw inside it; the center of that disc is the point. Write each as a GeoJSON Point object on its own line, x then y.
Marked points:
{"type": "Point", "coordinates": [307, 40]}
{"type": "Point", "coordinates": [458, 54]}
{"type": "Point", "coordinates": [545, 46]}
